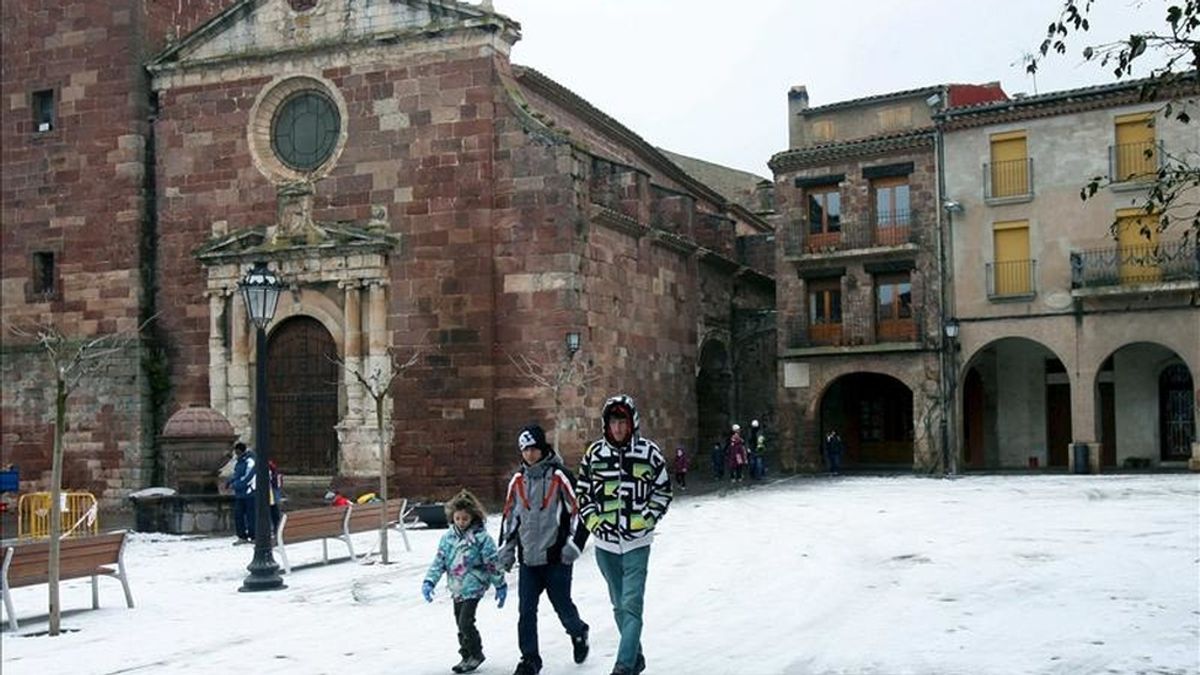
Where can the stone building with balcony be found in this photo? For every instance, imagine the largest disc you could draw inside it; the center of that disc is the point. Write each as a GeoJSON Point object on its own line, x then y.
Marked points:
{"type": "Point", "coordinates": [858, 274]}
{"type": "Point", "coordinates": [1079, 319]}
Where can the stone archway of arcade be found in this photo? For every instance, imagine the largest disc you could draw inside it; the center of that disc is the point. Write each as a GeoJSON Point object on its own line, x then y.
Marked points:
{"type": "Point", "coordinates": [1146, 408]}
{"type": "Point", "coordinates": [873, 413]}
{"type": "Point", "coordinates": [714, 390]}
{"type": "Point", "coordinates": [1016, 407]}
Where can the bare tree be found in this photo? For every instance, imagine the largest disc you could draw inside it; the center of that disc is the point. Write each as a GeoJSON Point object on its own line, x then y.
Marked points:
{"type": "Point", "coordinates": [378, 385]}
{"type": "Point", "coordinates": [556, 376]}
{"type": "Point", "coordinates": [72, 362]}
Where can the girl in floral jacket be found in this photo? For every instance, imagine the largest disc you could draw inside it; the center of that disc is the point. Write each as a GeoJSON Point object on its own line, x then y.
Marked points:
{"type": "Point", "coordinates": [467, 556]}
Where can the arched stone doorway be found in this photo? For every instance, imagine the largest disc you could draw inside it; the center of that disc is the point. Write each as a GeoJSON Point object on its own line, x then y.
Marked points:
{"type": "Point", "coordinates": [874, 415]}
{"type": "Point", "coordinates": [302, 386]}
{"type": "Point", "coordinates": [1016, 407]}
{"type": "Point", "coordinates": [713, 390]}
{"type": "Point", "coordinates": [1146, 398]}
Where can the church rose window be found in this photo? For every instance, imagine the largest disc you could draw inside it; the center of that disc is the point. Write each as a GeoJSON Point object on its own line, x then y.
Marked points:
{"type": "Point", "coordinates": [305, 130]}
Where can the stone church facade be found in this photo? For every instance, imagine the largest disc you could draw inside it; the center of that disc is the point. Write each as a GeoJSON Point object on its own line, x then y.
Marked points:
{"type": "Point", "coordinates": [436, 212]}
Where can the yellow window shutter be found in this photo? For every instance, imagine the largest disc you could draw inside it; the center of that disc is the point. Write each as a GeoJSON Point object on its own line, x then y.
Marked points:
{"type": "Point", "coordinates": [1137, 241]}
{"type": "Point", "coordinates": [1135, 153]}
{"type": "Point", "coordinates": [1011, 268]}
{"type": "Point", "coordinates": [1010, 176]}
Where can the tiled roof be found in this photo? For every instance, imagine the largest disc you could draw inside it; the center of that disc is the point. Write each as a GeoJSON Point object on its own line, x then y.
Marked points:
{"type": "Point", "coordinates": [876, 98]}
{"type": "Point", "coordinates": [735, 185]}
{"type": "Point", "coordinates": [1068, 100]}
{"type": "Point", "coordinates": [801, 157]}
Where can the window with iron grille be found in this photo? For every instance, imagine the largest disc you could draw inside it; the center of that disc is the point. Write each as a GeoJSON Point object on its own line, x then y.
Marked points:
{"type": "Point", "coordinates": [43, 273]}
{"type": "Point", "coordinates": [43, 110]}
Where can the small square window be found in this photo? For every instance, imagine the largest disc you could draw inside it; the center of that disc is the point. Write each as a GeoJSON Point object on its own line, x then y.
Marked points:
{"type": "Point", "coordinates": [43, 273]}
{"type": "Point", "coordinates": [43, 110]}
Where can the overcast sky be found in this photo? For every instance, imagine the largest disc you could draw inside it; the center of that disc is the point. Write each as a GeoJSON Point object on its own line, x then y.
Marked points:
{"type": "Point", "coordinates": [709, 78]}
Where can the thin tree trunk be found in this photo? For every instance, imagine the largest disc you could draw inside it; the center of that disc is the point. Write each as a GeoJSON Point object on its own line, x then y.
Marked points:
{"type": "Point", "coordinates": [60, 428]}
{"type": "Point", "coordinates": [383, 490]}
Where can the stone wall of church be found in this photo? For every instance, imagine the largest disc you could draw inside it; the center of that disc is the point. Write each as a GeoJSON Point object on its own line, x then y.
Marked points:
{"type": "Point", "coordinates": [75, 194]}
{"type": "Point", "coordinates": [419, 145]}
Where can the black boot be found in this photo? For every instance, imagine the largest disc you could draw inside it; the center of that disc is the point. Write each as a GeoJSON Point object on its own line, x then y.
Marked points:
{"type": "Point", "coordinates": [472, 661]}
{"type": "Point", "coordinates": [528, 667]}
{"type": "Point", "coordinates": [579, 644]}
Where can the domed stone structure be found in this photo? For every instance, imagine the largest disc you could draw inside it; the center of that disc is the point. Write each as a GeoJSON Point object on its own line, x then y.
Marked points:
{"type": "Point", "coordinates": [195, 443]}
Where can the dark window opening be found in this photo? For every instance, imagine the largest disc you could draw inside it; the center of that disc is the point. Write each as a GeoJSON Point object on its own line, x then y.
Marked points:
{"type": "Point", "coordinates": [824, 210]}
{"type": "Point", "coordinates": [43, 272]}
{"type": "Point", "coordinates": [43, 110]}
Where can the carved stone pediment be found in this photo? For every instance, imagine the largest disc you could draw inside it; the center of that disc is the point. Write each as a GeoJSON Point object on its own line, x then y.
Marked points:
{"type": "Point", "coordinates": [250, 29]}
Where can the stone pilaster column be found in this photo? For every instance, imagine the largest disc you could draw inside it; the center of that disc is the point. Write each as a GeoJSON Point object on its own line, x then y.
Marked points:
{"type": "Point", "coordinates": [238, 378]}
{"type": "Point", "coordinates": [218, 397]}
{"type": "Point", "coordinates": [358, 437]}
{"type": "Point", "coordinates": [352, 318]}
{"type": "Point", "coordinates": [1083, 415]}
{"type": "Point", "coordinates": [378, 358]}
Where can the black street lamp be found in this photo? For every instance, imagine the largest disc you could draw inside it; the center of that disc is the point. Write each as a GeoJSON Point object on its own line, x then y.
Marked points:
{"type": "Point", "coordinates": [949, 432]}
{"type": "Point", "coordinates": [572, 343]}
{"type": "Point", "coordinates": [260, 289]}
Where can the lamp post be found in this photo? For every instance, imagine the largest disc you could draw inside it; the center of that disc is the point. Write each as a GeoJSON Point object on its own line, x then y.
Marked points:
{"type": "Point", "coordinates": [565, 377]}
{"type": "Point", "coordinates": [950, 455]}
{"type": "Point", "coordinates": [260, 289]}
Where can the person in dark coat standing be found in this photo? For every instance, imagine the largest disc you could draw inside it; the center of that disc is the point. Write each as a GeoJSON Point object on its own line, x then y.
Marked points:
{"type": "Point", "coordinates": [834, 448]}
{"type": "Point", "coordinates": [756, 445]}
{"type": "Point", "coordinates": [242, 482]}
{"type": "Point", "coordinates": [718, 462]}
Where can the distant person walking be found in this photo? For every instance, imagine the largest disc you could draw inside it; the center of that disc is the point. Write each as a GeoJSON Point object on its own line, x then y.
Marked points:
{"type": "Point", "coordinates": [276, 496]}
{"type": "Point", "coordinates": [758, 451]}
{"type": "Point", "coordinates": [681, 467]}
{"type": "Point", "coordinates": [735, 452]}
{"type": "Point", "coordinates": [624, 490]}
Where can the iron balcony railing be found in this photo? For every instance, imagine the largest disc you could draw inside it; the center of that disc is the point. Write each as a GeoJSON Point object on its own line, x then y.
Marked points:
{"type": "Point", "coordinates": [1134, 161]}
{"type": "Point", "coordinates": [896, 330]}
{"type": "Point", "coordinates": [877, 231]}
{"type": "Point", "coordinates": [800, 334]}
{"type": "Point", "coordinates": [1140, 264]}
{"type": "Point", "coordinates": [1008, 179]}
{"type": "Point", "coordinates": [1011, 278]}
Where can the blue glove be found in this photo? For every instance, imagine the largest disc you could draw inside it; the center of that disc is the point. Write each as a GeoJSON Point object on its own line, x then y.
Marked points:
{"type": "Point", "coordinates": [501, 595]}
{"type": "Point", "coordinates": [427, 591]}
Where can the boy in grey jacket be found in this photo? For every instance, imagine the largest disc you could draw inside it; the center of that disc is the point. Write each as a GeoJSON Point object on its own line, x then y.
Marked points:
{"type": "Point", "coordinates": [539, 527]}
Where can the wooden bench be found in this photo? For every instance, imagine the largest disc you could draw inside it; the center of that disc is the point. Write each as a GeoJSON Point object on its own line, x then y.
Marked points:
{"type": "Point", "coordinates": [336, 522]}
{"type": "Point", "coordinates": [28, 563]}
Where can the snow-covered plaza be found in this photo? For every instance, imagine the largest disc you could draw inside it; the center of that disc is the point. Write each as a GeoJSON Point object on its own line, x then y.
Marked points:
{"type": "Point", "coordinates": [981, 574]}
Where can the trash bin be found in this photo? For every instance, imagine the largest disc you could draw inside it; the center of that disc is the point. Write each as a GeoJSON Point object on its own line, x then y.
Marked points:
{"type": "Point", "coordinates": [433, 515]}
{"type": "Point", "coordinates": [1079, 451]}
